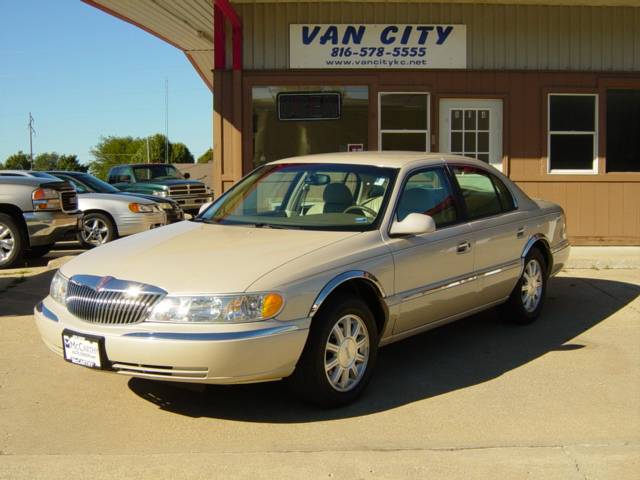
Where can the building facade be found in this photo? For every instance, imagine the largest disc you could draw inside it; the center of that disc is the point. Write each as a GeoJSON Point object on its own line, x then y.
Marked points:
{"type": "Point", "coordinates": [547, 92]}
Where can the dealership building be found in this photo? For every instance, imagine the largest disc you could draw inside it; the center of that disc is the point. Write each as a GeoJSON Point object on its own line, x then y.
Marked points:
{"type": "Point", "coordinates": [547, 92]}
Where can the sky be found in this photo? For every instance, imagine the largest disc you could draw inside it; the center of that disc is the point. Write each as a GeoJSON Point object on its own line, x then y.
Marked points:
{"type": "Point", "coordinates": [84, 74]}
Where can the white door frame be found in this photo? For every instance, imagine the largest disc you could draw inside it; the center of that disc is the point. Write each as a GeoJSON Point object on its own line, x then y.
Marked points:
{"type": "Point", "coordinates": [496, 124]}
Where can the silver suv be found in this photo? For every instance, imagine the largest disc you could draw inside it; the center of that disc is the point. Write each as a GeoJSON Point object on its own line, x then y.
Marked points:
{"type": "Point", "coordinates": [35, 213]}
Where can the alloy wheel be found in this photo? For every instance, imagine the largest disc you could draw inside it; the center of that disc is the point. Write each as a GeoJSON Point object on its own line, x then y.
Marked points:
{"type": "Point", "coordinates": [95, 231]}
{"type": "Point", "coordinates": [7, 242]}
{"type": "Point", "coordinates": [346, 353]}
{"type": "Point", "coordinates": [532, 283]}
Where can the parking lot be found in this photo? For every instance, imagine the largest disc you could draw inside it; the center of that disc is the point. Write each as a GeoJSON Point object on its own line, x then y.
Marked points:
{"type": "Point", "coordinates": [476, 399]}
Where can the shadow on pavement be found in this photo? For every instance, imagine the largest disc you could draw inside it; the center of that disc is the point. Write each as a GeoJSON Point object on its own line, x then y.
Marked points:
{"type": "Point", "coordinates": [459, 355]}
{"type": "Point", "coordinates": [19, 293]}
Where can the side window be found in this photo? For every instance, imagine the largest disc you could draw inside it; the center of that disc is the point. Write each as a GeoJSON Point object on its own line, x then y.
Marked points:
{"type": "Point", "coordinates": [113, 175]}
{"type": "Point", "coordinates": [506, 199]}
{"type": "Point", "coordinates": [478, 191]}
{"type": "Point", "coordinates": [430, 193]}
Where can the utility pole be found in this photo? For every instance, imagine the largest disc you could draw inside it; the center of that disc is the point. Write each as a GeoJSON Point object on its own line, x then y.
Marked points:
{"type": "Point", "coordinates": [166, 119]}
{"type": "Point", "coordinates": [32, 132]}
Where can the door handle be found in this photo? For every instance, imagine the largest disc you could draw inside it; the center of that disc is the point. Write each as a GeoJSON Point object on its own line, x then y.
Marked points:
{"type": "Point", "coordinates": [520, 232]}
{"type": "Point", "coordinates": [463, 247]}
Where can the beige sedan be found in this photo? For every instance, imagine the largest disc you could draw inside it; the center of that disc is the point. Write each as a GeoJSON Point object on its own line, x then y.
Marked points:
{"type": "Point", "coordinates": [304, 269]}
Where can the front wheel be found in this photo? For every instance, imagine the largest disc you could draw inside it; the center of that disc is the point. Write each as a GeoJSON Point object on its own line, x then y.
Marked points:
{"type": "Point", "coordinates": [527, 299]}
{"type": "Point", "coordinates": [97, 229]}
{"type": "Point", "coordinates": [340, 354]}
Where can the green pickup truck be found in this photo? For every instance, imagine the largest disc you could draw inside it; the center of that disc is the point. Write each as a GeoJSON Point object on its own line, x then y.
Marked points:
{"type": "Point", "coordinates": [162, 180]}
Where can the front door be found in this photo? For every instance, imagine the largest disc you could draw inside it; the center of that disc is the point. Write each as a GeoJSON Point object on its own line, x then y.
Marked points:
{"type": "Point", "coordinates": [433, 270]}
{"type": "Point", "coordinates": [472, 127]}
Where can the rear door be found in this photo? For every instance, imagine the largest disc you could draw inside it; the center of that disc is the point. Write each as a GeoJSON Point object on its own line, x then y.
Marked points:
{"type": "Point", "coordinates": [498, 230]}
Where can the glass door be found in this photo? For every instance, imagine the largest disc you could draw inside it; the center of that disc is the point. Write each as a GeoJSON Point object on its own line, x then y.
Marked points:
{"type": "Point", "coordinates": [473, 128]}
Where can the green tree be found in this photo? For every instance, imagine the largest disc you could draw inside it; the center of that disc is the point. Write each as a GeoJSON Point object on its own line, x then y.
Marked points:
{"type": "Point", "coordinates": [206, 157]}
{"type": "Point", "coordinates": [112, 151]}
{"type": "Point", "coordinates": [46, 161]}
{"type": "Point", "coordinates": [181, 154]}
{"type": "Point", "coordinates": [70, 163]}
{"type": "Point", "coordinates": [17, 161]}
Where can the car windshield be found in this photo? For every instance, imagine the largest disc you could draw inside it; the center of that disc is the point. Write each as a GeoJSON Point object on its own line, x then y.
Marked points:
{"type": "Point", "coordinates": [156, 172]}
{"type": "Point", "coordinates": [306, 196]}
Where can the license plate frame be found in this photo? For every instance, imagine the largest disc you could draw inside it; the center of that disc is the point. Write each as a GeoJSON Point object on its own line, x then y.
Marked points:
{"type": "Point", "coordinates": [96, 359]}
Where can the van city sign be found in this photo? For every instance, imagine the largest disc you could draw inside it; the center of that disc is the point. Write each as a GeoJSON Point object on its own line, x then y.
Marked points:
{"type": "Point", "coordinates": [377, 46]}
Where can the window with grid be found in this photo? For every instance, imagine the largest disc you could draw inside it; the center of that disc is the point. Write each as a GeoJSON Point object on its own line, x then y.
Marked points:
{"type": "Point", "coordinates": [404, 121]}
{"type": "Point", "coordinates": [470, 133]}
{"type": "Point", "coordinates": [573, 132]}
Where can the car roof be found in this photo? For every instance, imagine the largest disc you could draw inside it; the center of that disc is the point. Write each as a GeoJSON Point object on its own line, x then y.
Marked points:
{"type": "Point", "coordinates": [26, 173]}
{"type": "Point", "coordinates": [382, 159]}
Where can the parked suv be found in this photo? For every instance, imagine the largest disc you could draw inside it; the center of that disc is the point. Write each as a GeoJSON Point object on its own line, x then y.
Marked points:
{"type": "Point", "coordinates": [35, 213]}
{"type": "Point", "coordinates": [162, 180]}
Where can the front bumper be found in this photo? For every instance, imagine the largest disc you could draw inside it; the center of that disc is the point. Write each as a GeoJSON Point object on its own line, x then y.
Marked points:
{"type": "Point", "coordinates": [129, 224]}
{"type": "Point", "coordinates": [46, 228]}
{"type": "Point", "coordinates": [190, 203]}
{"type": "Point", "coordinates": [217, 354]}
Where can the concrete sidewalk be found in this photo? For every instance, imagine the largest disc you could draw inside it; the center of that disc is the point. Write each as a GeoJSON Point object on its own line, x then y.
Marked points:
{"type": "Point", "coordinates": [604, 257]}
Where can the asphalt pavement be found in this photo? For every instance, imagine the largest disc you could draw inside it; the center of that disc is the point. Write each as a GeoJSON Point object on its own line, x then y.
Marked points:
{"type": "Point", "coordinates": [480, 398]}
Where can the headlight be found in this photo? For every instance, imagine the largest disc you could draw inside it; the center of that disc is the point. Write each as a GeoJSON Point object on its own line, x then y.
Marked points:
{"type": "Point", "coordinates": [141, 208]}
{"type": "Point", "coordinates": [218, 308]}
{"type": "Point", "coordinates": [45, 199]}
{"type": "Point", "coordinates": [58, 289]}
{"type": "Point", "coordinates": [160, 193]}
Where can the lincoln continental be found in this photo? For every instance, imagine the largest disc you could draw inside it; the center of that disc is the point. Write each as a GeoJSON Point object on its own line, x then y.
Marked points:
{"type": "Point", "coordinates": [304, 269]}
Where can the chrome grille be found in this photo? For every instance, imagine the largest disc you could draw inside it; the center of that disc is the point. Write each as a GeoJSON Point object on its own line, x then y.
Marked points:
{"type": "Point", "coordinates": [110, 301]}
{"type": "Point", "coordinates": [69, 201]}
{"type": "Point", "coordinates": [187, 190]}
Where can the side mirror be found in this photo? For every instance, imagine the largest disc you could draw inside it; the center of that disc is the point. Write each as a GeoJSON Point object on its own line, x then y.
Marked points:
{"type": "Point", "coordinates": [413, 224]}
{"type": "Point", "coordinates": [204, 206]}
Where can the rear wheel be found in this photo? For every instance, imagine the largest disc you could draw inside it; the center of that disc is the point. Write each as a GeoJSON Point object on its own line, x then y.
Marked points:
{"type": "Point", "coordinates": [97, 229]}
{"type": "Point", "coordinates": [340, 354]}
{"type": "Point", "coordinates": [11, 242]}
{"type": "Point", "coordinates": [527, 299]}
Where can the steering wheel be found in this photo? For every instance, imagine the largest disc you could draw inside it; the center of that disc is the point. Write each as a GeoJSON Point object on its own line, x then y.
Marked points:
{"type": "Point", "coordinates": [366, 210]}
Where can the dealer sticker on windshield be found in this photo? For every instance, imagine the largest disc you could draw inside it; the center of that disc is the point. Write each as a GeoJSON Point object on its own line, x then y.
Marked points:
{"type": "Point", "coordinates": [82, 349]}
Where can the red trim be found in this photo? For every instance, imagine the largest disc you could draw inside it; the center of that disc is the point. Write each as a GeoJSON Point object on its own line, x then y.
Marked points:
{"type": "Point", "coordinates": [219, 47]}
{"type": "Point", "coordinates": [236, 30]}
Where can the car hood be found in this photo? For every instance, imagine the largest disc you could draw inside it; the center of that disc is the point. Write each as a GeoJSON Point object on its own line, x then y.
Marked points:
{"type": "Point", "coordinates": [113, 197]}
{"type": "Point", "coordinates": [190, 257]}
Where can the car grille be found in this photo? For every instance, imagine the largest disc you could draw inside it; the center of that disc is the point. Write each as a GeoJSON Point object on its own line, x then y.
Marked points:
{"type": "Point", "coordinates": [177, 190]}
{"type": "Point", "coordinates": [109, 301]}
{"type": "Point", "coordinates": [69, 201]}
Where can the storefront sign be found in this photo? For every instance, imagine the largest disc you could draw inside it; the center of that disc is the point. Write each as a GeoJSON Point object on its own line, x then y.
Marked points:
{"type": "Point", "coordinates": [377, 46]}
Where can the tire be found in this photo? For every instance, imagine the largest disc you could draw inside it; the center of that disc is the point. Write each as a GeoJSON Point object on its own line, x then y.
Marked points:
{"type": "Point", "coordinates": [527, 298]}
{"type": "Point", "coordinates": [12, 243]}
{"type": "Point", "coordinates": [353, 357]}
{"type": "Point", "coordinates": [39, 251]}
{"type": "Point", "coordinates": [97, 229]}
